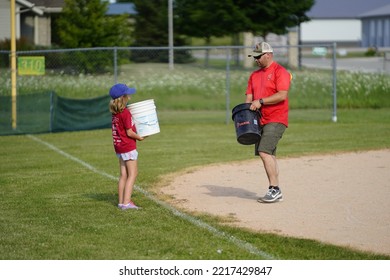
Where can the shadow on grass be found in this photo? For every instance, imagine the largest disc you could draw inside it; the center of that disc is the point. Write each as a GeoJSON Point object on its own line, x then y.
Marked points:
{"type": "Point", "coordinates": [110, 198]}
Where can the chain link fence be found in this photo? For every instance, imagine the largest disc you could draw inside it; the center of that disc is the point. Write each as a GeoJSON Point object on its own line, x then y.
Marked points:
{"type": "Point", "coordinates": [195, 78]}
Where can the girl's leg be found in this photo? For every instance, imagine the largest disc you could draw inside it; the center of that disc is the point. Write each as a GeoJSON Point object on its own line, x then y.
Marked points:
{"type": "Point", "coordinates": [122, 180]}
{"type": "Point", "coordinates": [132, 172]}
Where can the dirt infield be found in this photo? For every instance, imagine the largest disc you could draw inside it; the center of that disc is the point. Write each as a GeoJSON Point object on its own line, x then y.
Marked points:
{"type": "Point", "coordinates": [342, 199]}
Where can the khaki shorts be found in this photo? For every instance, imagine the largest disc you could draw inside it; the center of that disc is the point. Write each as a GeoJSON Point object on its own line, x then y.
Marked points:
{"type": "Point", "coordinates": [271, 133]}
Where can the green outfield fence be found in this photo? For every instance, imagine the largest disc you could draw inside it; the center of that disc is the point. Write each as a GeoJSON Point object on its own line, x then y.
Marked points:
{"type": "Point", "coordinates": [72, 92]}
{"type": "Point", "coordinates": [48, 112]}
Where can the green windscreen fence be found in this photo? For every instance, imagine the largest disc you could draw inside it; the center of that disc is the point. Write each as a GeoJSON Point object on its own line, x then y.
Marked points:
{"type": "Point", "coordinates": [48, 112]}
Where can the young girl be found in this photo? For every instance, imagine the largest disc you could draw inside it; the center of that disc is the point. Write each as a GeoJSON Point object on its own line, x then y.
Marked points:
{"type": "Point", "coordinates": [124, 138]}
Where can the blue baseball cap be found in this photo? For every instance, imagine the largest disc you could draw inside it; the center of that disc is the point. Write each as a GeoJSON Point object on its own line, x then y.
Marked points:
{"type": "Point", "coordinates": [118, 90]}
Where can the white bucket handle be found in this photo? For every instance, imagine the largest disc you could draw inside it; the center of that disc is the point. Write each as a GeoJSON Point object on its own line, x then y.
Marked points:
{"type": "Point", "coordinates": [147, 123]}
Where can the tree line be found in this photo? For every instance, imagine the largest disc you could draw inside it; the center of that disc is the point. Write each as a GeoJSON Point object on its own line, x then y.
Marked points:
{"type": "Point", "coordinates": [84, 23]}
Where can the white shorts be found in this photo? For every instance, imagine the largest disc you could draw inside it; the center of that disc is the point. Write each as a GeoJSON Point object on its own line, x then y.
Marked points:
{"type": "Point", "coordinates": [133, 155]}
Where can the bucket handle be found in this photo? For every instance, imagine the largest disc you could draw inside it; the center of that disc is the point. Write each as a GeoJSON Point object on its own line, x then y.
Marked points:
{"type": "Point", "coordinates": [147, 123]}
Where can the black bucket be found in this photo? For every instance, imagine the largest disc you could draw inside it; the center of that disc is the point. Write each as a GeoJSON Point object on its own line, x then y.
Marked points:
{"type": "Point", "coordinates": [247, 124]}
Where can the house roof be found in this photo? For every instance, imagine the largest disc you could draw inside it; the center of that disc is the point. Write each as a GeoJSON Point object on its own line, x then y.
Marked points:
{"type": "Point", "coordinates": [28, 5]}
{"type": "Point", "coordinates": [382, 11]}
{"type": "Point", "coordinates": [352, 9]}
{"type": "Point", "coordinates": [121, 8]}
{"type": "Point", "coordinates": [48, 3]}
{"type": "Point", "coordinates": [113, 8]}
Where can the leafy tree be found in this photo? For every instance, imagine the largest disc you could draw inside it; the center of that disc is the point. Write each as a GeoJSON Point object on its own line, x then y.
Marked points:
{"type": "Point", "coordinates": [83, 23]}
{"type": "Point", "coordinates": [205, 18]}
{"type": "Point", "coordinates": [151, 29]}
{"type": "Point", "coordinates": [151, 23]}
{"type": "Point", "coordinates": [273, 16]}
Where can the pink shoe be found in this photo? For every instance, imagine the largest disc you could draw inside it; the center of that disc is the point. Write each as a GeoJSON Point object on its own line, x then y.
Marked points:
{"type": "Point", "coordinates": [129, 205]}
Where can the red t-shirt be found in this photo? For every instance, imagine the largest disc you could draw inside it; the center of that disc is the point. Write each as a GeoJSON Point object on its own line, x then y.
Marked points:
{"type": "Point", "coordinates": [120, 123]}
{"type": "Point", "coordinates": [266, 82]}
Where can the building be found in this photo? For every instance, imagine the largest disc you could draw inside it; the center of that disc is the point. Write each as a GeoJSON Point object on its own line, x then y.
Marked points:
{"type": "Point", "coordinates": [121, 8]}
{"type": "Point", "coordinates": [34, 18]}
{"type": "Point", "coordinates": [349, 23]}
{"type": "Point", "coordinates": [376, 27]}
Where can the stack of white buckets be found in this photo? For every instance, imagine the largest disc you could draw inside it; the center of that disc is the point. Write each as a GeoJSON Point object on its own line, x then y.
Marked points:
{"type": "Point", "coordinates": [145, 117]}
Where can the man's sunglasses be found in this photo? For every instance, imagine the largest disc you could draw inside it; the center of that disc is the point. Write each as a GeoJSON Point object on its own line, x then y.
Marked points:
{"type": "Point", "coordinates": [259, 56]}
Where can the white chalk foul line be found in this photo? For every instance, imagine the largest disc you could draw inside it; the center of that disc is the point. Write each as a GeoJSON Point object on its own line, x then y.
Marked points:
{"type": "Point", "coordinates": [239, 243]}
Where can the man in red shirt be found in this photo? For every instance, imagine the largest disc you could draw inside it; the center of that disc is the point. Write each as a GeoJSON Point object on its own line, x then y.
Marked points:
{"type": "Point", "coordinates": [267, 91]}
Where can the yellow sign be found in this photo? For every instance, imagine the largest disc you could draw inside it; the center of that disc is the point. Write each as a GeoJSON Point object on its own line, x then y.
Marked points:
{"type": "Point", "coordinates": [31, 65]}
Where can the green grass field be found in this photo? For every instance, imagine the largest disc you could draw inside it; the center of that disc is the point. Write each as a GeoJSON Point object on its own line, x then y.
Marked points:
{"type": "Point", "coordinates": [58, 191]}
